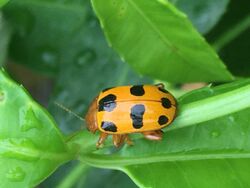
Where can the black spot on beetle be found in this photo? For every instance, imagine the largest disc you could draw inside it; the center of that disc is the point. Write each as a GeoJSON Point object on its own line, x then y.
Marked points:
{"type": "Point", "coordinates": [162, 120]}
{"type": "Point", "coordinates": [107, 103]}
{"type": "Point", "coordinates": [166, 103]}
{"type": "Point", "coordinates": [109, 126]}
{"type": "Point", "coordinates": [162, 90]}
{"type": "Point", "coordinates": [136, 115]}
{"type": "Point", "coordinates": [106, 89]}
{"type": "Point", "coordinates": [137, 90]}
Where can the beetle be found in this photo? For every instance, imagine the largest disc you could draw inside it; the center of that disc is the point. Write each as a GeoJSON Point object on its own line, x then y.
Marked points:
{"type": "Point", "coordinates": [122, 110]}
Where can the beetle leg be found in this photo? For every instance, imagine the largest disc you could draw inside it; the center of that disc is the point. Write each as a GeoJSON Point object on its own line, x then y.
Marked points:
{"type": "Point", "coordinates": [153, 135]}
{"type": "Point", "coordinates": [129, 141]}
{"type": "Point", "coordinates": [101, 139]}
{"type": "Point", "coordinates": [160, 85]}
{"type": "Point", "coordinates": [118, 139]}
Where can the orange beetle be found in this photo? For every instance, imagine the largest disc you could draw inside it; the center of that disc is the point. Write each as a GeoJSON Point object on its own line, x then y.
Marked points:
{"type": "Point", "coordinates": [131, 109]}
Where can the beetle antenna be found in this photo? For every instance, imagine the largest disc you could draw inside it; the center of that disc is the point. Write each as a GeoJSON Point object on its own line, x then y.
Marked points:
{"type": "Point", "coordinates": [68, 110]}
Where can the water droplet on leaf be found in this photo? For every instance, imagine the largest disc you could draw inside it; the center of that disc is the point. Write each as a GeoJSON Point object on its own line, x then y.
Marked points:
{"type": "Point", "coordinates": [215, 134]}
{"type": "Point", "coordinates": [47, 56]}
{"type": "Point", "coordinates": [28, 119]}
{"type": "Point", "coordinates": [114, 2]}
{"type": "Point", "coordinates": [123, 59]}
{"type": "Point", "coordinates": [15, 174]}
{"type": "Point", "coordinates": [122, 10]}
{"type": "Point", "coordinates": [86, 56]}
{"type": "Point", "coordinates": [231, 119]}
{"type": "Point", "coordinates": [19, 148]}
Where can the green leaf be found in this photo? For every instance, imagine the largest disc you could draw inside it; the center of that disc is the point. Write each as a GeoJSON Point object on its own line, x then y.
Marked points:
{"type": "Point", "coordinates": [198, 146]}
{"type": "Point", "coordinates": [5, 33]}
{"type": "Point", "coordinates": [204, 14]}
{"type": "Point", "coordinates": [159, 41]}
{"type": "Point", "coordinates": [3, 2]}
{"type": "Point", "coordinates": [31, 146]}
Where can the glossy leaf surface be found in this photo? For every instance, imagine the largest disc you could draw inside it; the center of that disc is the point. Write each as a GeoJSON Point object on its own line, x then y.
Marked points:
{"type": "Point", "coordinates": [31, 146]}
{"type": "Point", "coordinates": [3, 2]}
{"type": "Point", "coordinates": [159, 41]}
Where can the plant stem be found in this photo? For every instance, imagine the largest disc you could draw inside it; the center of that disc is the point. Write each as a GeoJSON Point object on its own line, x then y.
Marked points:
{"type": "Point", "coordinates": [212, 107]}
{"type": "Point", "coordinates": [114, 162]}
{"type": "Point", "coordinates": [232, 33]}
